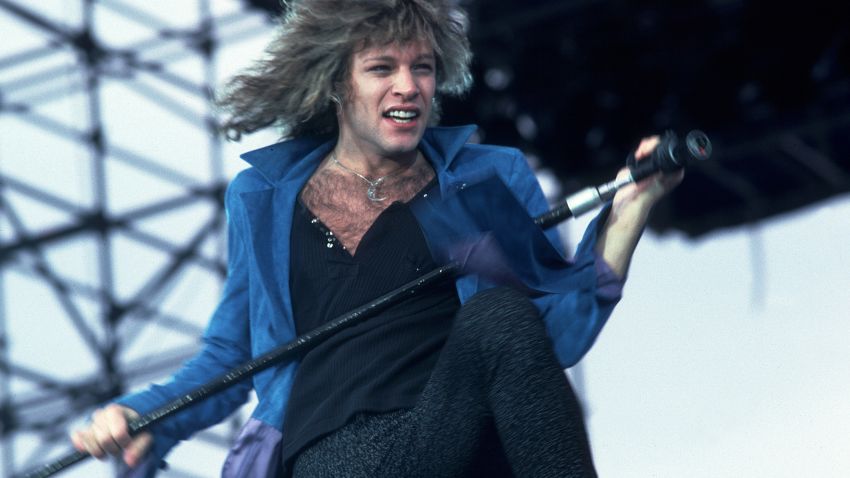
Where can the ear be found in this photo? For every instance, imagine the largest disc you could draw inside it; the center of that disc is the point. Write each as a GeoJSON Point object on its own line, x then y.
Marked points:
{"type": "Point", "coordinates": [337, 101]}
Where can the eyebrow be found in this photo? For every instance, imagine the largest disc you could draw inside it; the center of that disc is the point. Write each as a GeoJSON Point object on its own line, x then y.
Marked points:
{"type": "Point", "coordinates": [390, 58]}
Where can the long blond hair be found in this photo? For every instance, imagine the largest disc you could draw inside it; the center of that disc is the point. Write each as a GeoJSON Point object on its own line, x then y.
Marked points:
{"type": "Point", "coordinates": [306, 66]}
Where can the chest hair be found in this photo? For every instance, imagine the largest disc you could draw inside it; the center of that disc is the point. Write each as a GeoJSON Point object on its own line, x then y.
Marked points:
{"type": "Point", "coordinates": [338, 198]}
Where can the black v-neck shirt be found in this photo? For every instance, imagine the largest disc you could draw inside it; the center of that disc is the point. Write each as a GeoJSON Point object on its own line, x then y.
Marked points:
{"type": "Point", "coordinates": [376, 366]}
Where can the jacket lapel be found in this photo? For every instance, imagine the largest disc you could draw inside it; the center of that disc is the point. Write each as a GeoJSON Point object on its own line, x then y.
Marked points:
{"type": "Point", "coordinates": [269, 216]}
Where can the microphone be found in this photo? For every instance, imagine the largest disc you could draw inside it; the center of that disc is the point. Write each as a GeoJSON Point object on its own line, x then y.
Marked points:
{"type": "Point", "coordinates": [671, 154]}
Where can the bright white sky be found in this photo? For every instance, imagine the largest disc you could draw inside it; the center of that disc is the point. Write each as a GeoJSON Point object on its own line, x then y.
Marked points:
{"type": "Point", "coordinates": [727, 356]}
{"type": "Point", "coordinates": [722, 361]}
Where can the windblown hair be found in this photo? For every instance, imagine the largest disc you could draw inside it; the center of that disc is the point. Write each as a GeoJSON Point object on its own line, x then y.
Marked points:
{"type": "Point", "coordinates": [306, 68]}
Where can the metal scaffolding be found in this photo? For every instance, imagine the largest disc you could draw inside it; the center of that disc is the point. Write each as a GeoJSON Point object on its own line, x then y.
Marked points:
{"type": "Point", "coordinates": [63, 86]}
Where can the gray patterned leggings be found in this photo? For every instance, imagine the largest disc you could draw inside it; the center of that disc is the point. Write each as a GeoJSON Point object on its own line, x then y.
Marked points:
{"type": "Point", "coordinates": [496, 404]}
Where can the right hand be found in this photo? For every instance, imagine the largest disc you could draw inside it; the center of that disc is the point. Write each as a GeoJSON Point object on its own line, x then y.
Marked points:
{"type": "Point", "coordinates": [108, 434]}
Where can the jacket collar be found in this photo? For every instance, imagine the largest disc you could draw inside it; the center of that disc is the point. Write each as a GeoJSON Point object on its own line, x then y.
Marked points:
{"type": "Point", "coordinates": [440, 145]}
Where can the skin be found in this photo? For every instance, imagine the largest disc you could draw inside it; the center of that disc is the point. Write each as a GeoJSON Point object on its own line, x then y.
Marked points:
{"type": "Point", "coordinates": [391, 77]}
{"type": "Point", "coordinates": [108, 435]}
{"type": "Point", "coordinates": [630, 211]}
{"type": "Point", "coordinates": [382, 79]}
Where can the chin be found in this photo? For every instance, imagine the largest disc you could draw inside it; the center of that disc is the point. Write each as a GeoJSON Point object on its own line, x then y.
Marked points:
{"type": "Point", "coordinates": [402, 147]}
{"type": "Point", "coordinates": [399, 151]}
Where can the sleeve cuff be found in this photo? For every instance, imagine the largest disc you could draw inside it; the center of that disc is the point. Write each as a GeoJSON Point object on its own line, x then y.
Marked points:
{"type": "Point", "coordinates": [609, 286]}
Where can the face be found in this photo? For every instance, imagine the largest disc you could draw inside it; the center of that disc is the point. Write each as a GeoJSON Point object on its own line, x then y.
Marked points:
{"type": "Point", "coordinates": [389, 101]}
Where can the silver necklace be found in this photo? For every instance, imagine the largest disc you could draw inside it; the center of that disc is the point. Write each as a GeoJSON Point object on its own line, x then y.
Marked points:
{"type": "Point", "coordinates": [372, 191]}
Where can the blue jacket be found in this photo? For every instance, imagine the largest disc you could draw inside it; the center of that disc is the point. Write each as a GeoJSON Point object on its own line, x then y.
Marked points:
{"type": "Point", "coordinates": [255, 312]}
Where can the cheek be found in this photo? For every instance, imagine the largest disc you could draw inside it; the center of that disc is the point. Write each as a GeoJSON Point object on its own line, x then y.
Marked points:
{"type": "Point", "coordinates": [370, 98]}
{"type": "Point", "coordinates": [359, 107]}
{"type": "Point", "coordinates": [428, 88]}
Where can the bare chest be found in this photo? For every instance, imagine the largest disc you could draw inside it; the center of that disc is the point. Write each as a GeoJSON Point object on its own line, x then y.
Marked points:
{"type": "Point", "coordinates": [341, 201]}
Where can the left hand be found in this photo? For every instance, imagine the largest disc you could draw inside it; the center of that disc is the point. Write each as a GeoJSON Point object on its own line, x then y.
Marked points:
{"type": "Point", "coordinates": [639, 198]}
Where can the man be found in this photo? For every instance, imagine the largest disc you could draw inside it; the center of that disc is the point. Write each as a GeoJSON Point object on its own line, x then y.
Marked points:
{"type": "Point", "coordinates": [437, 385]}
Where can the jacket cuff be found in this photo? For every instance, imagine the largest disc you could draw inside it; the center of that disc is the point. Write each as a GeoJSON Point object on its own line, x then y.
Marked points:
{"type": "Point", "coordinates": [609, 286]}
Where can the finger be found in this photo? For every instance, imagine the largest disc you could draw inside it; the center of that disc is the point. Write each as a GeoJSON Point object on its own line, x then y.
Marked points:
{"type": "Point", "coordinates": [77, 440]}
{"type": "Point", "coordinates": [646, 146]}
{"type": "Point", "coordinates": [136, 450]}
{"type": "Point", "coordinates": [101, 429]}
{"type": "Point", "coordinates": [105, 439]}
{"type": "Point", "coordinates": [85, 441]}
{"type": "Point", "coordinates": [116, 424]}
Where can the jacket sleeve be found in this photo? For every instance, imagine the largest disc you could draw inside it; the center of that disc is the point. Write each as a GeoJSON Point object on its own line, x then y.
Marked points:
{"type": "Point", "coordinates": [575, 316]}
{"type": "Point", "coordinates": [226, 344]}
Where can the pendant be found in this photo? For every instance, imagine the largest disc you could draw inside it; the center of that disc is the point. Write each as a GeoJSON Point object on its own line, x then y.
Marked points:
{"type": "Point", "coordinates": [372, 192]}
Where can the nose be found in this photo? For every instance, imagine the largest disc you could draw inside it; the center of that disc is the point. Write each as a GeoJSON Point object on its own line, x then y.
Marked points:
{"type": "Point", "coordinates": [405, 85]}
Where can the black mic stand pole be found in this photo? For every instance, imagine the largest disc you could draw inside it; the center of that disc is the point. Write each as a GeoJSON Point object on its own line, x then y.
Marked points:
{"type": "Point", "coordinates": [667, 156]}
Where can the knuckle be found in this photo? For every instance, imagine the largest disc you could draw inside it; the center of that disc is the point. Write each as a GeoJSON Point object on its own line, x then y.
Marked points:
{"type": "Point", "coordinates": [104, 440]}
{"type": "Point", "coordinates": [123, 439]}
{"type": "Point", "coordinates": [94, 450]}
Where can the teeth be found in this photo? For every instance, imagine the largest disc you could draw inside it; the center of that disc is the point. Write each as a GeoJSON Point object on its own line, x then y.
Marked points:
{"type": "Point", "coordinates": [402, 114]}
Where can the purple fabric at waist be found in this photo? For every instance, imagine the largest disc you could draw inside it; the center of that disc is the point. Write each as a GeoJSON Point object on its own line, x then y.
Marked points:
{"type": "Point", "coordinates": [256, 454]}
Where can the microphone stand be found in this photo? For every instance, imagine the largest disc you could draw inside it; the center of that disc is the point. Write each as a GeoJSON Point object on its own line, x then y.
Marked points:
{"type": "Point", "coordinates": [668, 156]}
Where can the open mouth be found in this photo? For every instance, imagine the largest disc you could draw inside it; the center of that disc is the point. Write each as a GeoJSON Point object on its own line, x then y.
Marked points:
{"type": "Point", "coordinates": [402, 116]}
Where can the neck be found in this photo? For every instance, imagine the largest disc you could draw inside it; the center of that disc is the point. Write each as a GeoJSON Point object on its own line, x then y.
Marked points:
{"type": "Point", "coordinates": [374, 165]}
{"type": "Point", "coordinates": [369, 157]}
{"type": "Point", "coordinates": [387, 167]}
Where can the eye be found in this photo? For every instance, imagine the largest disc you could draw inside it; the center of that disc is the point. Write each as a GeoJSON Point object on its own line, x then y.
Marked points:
{"type": "Point", "coordinates": [379, 68]}
{"type": "Point", "coordinates": [424, 67]}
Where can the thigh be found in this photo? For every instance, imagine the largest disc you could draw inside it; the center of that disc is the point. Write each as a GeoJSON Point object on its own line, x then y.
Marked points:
{"type": "Point", "coordinates": [452, 425]}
